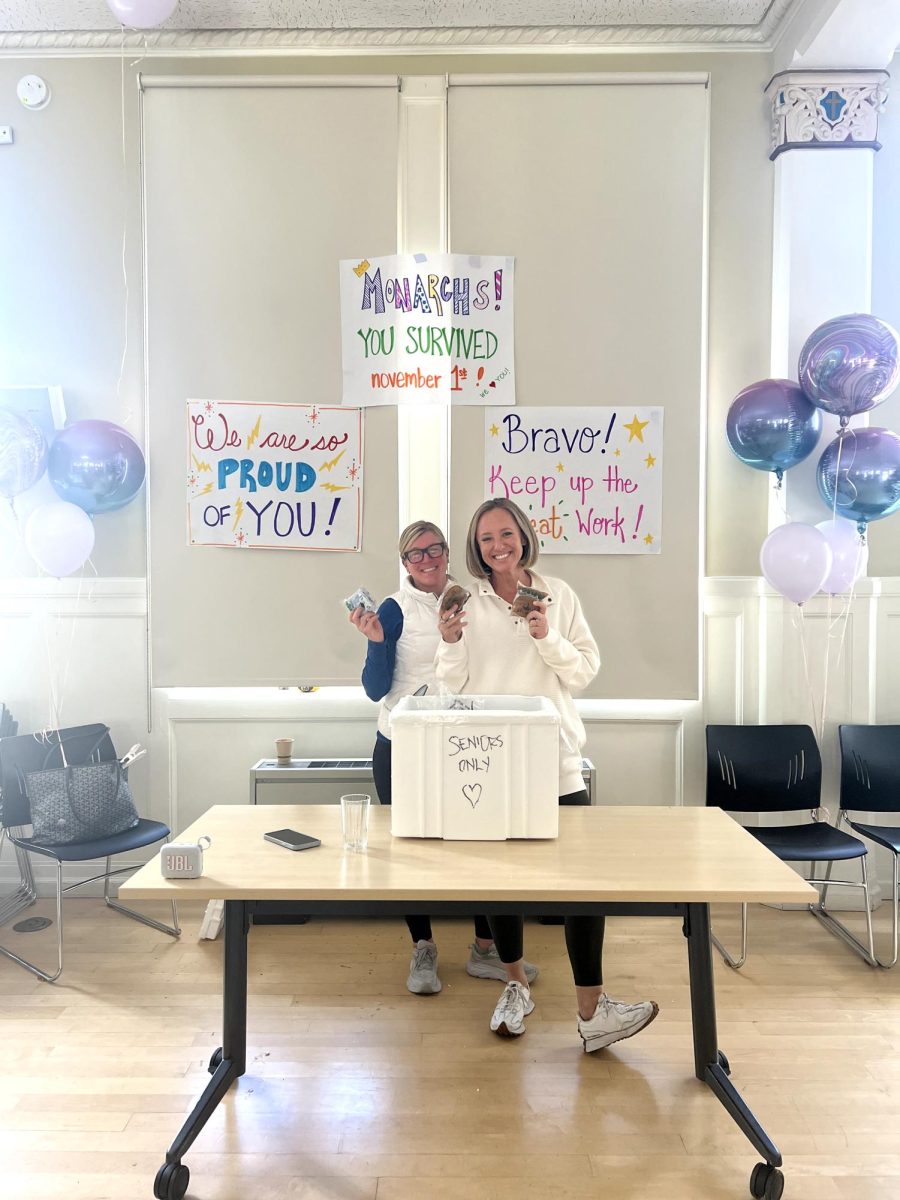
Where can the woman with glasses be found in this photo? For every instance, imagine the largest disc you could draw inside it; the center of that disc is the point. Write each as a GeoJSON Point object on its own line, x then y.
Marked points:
{"type": "Point", "coordinates": [402, 640]}
{"type": "Point", "coordinates": [547, 651]}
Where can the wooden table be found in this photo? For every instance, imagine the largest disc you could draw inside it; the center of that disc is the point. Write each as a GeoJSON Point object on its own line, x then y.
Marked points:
{"type": "Point", "coordinates": [647, 861]}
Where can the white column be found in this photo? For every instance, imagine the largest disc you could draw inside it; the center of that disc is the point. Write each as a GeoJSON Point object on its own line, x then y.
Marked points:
{"type": "Point", "coordinates": [824, 135]}
{"type": "Point", "coordinates": [824, 140]}
{"type": "Point", "coordinates": [423, 433]}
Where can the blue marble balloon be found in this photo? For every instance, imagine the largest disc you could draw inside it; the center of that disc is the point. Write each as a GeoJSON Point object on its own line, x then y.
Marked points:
{"type": "Point", "coordinates": [96, 465]}
{"type": "Point", "coordinates": [850, 364]}
{"type": "Point", "coordinates": [858, 475]}
{"type": "Point", "coordinates": [23, 453]}
{"type": "Point", "coordinates": [772, 426]}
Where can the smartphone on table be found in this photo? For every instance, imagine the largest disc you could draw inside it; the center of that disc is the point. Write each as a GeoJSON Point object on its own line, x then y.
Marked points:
{"type": "Point", "coordinates": [291, 839]}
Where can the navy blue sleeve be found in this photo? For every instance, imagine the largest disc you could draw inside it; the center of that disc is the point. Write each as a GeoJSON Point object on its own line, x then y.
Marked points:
{"type": "Point", "coordinates": [378, 672]}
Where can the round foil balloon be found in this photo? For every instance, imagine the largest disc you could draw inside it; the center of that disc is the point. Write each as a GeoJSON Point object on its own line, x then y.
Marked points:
{"type": "Point", "coordinates": [771, 425]}
{"type": "Point", "coordinates": [849, 554]}
{"type": "Point", "coordinates": [142, 14]}
{"type": "Point", "coordinates": [850, 364]}
{"type": "Point", "coordinates": [59, 537]}
{"type": "Point", "coordinates": [23, 453]}
{"type": "Point", "coordinates": [858, 475]}
{"type": "Point", "coordinates": [96, 465]}
{"type": "Point", "coordinates": [795, 559]}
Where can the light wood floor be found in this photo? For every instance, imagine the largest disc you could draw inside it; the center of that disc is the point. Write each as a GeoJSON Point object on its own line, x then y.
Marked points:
{"type": "Point", "coordinates": [356, 1089]}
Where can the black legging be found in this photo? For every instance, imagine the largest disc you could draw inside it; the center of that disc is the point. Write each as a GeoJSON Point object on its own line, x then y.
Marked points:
{"type": "Point", "coordinates": [584, 935]}
{"type": "Point", "coordinates": [419, 927]}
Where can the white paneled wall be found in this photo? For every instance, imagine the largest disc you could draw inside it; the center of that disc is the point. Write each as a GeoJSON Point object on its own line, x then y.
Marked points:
{"type": "Point", "coordinates": [86, 647]}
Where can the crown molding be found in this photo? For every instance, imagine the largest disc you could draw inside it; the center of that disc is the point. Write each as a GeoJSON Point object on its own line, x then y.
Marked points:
{"type": "Point", "coordinates": [481, 40]}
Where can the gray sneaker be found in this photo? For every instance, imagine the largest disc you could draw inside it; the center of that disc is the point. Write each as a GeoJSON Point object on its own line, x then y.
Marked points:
{"type": "Point", "coordinates": [512, 1008]}
{"type": "Point", "coordinates": [486, 964]}
{"type": "Point", "coordinates": [423, 977]}
{"type": "Point", "coordinates": [613, 1022]}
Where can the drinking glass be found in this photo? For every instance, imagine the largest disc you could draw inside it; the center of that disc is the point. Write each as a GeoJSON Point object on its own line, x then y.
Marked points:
{"type": "Point", "coordinates": [355, 821]}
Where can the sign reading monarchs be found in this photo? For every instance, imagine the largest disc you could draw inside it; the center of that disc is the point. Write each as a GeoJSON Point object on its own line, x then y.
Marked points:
{"type": "Point", "coordinates": [428, 329]}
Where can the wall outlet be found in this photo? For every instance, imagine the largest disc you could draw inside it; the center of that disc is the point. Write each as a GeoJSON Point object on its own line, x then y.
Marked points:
{"type": "Point", "coordinates": [6, 135]}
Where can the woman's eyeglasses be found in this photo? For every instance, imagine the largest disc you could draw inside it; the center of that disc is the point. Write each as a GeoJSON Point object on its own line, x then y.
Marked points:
{"type": "Point", "coordinates": [435, 550]}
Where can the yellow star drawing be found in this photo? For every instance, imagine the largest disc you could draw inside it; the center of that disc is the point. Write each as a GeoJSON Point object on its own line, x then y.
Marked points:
{"type": "Point", "coordinates": [650, 460]}
{"type": "Point", "coordinates": [649, 539]}
{"type": "Point", "coordinates": [494, 431]}
{"type": "Point", "coordinates": [617, 452]}
{"type": "Point", "coordinates": [560, 467]}
{"type": "Point", "coordinates": [636, 429]}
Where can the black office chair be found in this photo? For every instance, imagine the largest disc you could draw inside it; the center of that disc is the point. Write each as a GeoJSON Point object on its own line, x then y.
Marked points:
{"type": "Point", "coordinates": [870, 783]}
{"type": "Point", "coordinates": [34, 752]}
{"type": "Point", "coordinates": [25, 892]}
{"type": "Point", "coordinates": [778, 769]}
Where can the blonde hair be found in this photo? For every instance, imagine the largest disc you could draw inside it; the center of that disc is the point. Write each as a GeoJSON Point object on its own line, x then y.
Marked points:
{"type": "Point", "coordinates": [411, 532]}
{"type": "Point", "coordinates": [475, 563]}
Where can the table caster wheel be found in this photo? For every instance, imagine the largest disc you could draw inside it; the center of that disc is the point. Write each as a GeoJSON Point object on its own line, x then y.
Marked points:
{"type": "Point", "coordinates": [766, 1183]}
{"type": "Point", "coordinates": [215, 1061]}
{"type": "Point", "coordinates": [171, 1181]}
{"type": "Point", "coordinates": [724, 1063]}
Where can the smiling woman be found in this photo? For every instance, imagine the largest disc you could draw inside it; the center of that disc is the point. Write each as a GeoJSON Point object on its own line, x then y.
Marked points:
{"type": "Point", "coordinates": [402, 640]}
{"type": "Point", "coordinates": [542, 647]}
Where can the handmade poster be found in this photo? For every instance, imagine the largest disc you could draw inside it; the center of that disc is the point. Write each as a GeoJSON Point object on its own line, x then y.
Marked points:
{"type": "Point", "coordinates": [428, 329]}
{"type": "Point", "coordinates": [274, 476]}
{"type": "Point", "coordinates": [590, 479]}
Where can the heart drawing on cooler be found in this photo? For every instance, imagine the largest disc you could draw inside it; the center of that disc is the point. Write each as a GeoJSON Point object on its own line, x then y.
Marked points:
{"type": "Point", "coordinates": [472, 792]}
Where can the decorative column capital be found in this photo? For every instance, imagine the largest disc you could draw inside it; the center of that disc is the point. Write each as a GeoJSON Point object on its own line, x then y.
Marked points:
{"type": "Point", "coordinates": [826, 110]}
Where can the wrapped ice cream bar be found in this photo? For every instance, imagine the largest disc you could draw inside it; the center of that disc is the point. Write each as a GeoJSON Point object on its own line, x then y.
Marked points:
{"type": "Point", "coordinates": [526, 598]}
{"type": "Point", "coordinates": [361, 599]}
{"type": "Point", "coordinates": [455, 595]}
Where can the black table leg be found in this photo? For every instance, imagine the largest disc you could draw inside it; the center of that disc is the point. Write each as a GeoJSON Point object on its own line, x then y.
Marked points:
{"type": "Point", "coordinates": [711, 1065]}
{"type": "Point", "coordinates": [226, 1064]}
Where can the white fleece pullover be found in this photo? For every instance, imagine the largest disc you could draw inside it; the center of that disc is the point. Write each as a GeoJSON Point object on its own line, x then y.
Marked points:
{"type": "Point", "coordinates": [497, 656]}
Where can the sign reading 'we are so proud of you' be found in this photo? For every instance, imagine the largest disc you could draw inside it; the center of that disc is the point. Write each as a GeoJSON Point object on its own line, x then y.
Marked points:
{"type": "Point", "coordinates": [274, 476]}
{"type": "Point", "coordinates": [590, 479]}
{"type": "Point", "coordinates": [428, 329]}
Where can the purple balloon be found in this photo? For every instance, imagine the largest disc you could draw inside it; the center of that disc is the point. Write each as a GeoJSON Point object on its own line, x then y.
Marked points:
{"type": "Point", "coordinates": [772, 426]}
{"type": "Point", "coordinates": [850, 364]}
{"type": "Point", "coordinates": [96, 465]}
{"type": "Point", "coordinates": [795, 559]}
{"type": "Point", "coordinates": [849, 554]}
{"type": "Point", "coordinates": [23, 453]}
{"type": "Point", "coordinates": [858, 475]}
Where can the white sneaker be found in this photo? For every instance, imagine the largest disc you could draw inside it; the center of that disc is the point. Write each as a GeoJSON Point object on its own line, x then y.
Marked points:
{"type": "Point", "coordinates": [423, 977]}
{"type": "Point", "coordinates": [512, 1008]}
{"type": "Point", "coordinates": [613, 1021]}
{"type": "Point", "coordinates": [486, 964]}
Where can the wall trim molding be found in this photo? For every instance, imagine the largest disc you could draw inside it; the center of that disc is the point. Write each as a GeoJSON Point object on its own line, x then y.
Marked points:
{"type": "Point", "coordinates": [522, 39]}
{"type": "Point", "coordinates": [107, 596]}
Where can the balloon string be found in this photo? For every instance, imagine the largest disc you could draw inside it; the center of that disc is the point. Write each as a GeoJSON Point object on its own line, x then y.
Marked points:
{"type": "Point", "coordinates": [837, 475]}
{"type": "Point", "coordinates": [809, 687]}
{"type": "Point", "coordinates": [780, 498]}
{"type": "Point", "coordinates": [58, 667]}
{"type": "Point", "coordinates": [124, 230]}
{"type": "Point", "coordinates": [825, 672]}
{"type": "Point", "coordinates": [129, 414]}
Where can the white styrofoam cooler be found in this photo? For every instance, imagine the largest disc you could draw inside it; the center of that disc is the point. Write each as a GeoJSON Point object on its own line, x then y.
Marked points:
{"type": "Point", "coordinates": [476, 768]}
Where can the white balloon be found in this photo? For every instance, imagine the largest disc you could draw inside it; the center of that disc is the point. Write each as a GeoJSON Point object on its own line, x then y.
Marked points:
{"type": "Point", "coordinates": [142, 14]}
{"type": "Point", "coordinates": [59, 537]}
{"type": "Point", "coordinates": [795, 559]}
{"type": "Point", "coordinates": [849, 554]}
